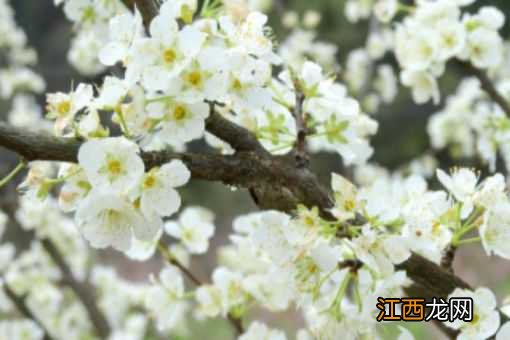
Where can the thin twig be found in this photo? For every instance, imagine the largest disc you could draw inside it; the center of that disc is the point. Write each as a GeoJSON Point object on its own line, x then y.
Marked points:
{"type": "Point", "coordinates": [301, 129]}
{"type": "Point", "coordinates": [19, 302]}
{"type": "Point", "coordinates": [148, 9]}
{"type": "Point", "coordinates": [173, 261]}
{"type": "Point", "coordinates": [487, 85]}
{"type": "Point", "coordinates": [448, 258]}
{"type": "Point", "coordinates": [83, 290]}
{"type": "Point", "coordinates": [236, 322]}
{"type": "Point", "coordinates": [367, 85]}
{"type": "Point", "coordinates": [22, 164]}
{"type": "Point", "coordinates": [300, 122]}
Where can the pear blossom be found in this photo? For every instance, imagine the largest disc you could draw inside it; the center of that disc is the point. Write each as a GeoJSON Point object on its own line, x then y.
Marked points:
{"type": "Point", "coordinates": [380, 256]}
{"type": "Point", "coordinates": [111, 93]}
{"type": "Point", "coordinates": [452, 39]}
{"type": "Point", "coordinates": [205, 78]}
{"type": "Point", "coordinates": [180, 9]}
{"type": "Point", "coordinates": [143, 250]}
{"type": "Point", "coordinates": [259, 330]}
{"type": "Point", "coordinates": [209, 300]}
{"type": "Point", "coordinates": [345, 198]}
{"type": "Point", "coordinates": [158, 194]}
{"type": "Point", "coordinates": [19, 329]}
{"type": "Point", "coordinates": [83, 53]}
{"type": "Point", "coordinates": [25, 111]}
{"type": "Point", "coordinates": [423, 85]}
{"type": "Point", "coordinates": [462, 184]}
{"type": "Point", "coordinates": [484, 48]}
{"type": "Point", "coordinates": [80, 10]}
{"type": "Point", "coordinates": [165, 299]}
{"type": "Point", "coordinates": [494, 230]}
{"type": "Point", "coordinates": [194, 229]}
{"type": "Point", "coordinates": [170, 74]}
{"type": "Point", "coordinates": [35, 185]}
{"type": "Point", "coordinates": [111, 163]}
{"type": "Point", "coordinates": [75, 188]}
{"type": "Point", "coordinates": [416, 52]}
{"type": "Point", "coordinates": [486, 319]}
{"type": "Point", "coordinates": [181, 122]}
{"type": "Point", "coordinates": [124, 29]}
{"type": "Point", "coordinates": [385, 10]}
{"type": "Point", "coordinates": [170, 50]}
{"type": "Point", "coordinates": [225, 294]}
{"type": "Point", "coordinates": [230, 286]}
{"type": "Point", "coordinates": [108, 220]}
{"type": "Point", "coordinates": [63, 106]}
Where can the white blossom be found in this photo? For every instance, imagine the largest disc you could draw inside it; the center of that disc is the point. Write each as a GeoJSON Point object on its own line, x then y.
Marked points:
{"type": "Point", "coordinates": [486, 319]}
{"type": "Point", "coordinates": [194, 229]}
{"type": "Point", "coordinates": [111, 163]}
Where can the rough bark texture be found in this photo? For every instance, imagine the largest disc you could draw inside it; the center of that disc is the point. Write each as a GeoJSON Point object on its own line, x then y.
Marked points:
{"type": "Point", "coordinates": [278, 182]}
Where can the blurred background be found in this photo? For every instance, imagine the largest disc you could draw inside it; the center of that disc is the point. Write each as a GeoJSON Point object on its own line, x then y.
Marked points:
{"type": "Point", "coordinates": [402, 137]}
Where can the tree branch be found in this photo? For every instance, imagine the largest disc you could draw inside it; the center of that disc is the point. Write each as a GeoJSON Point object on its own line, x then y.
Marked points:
{"type": "Point", "coordinates": [301, 128]}
{"type": "Point", "coordinates": [236, 322]}
{"type": "Point", "coordinates": [431, 280]}
{"type": "Point", "coordinates": [240, 138]}
{"type": "Point", "coordinates": [83, 290]}
{"type": "Point", "coordinates": [148, 9]}
{"type": "Point", "coordinates": [278, 183]}
{"type": "Point", "coordinates": [19, 302]}
{"type": "Point", "coordinates": [247, 169]}
{"type": "Point", "coordinates": [487, 85]}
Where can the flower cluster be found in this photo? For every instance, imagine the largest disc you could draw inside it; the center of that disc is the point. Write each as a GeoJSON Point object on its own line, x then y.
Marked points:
{"type": "Point", "coordinates": [90, 20]}
{"type": "Point", "coordinates": [175, 76]}
{"type": "Point", "coordinates": [301, 44]}
{"type": "Point", "coordinates": [434, 33]}
{"type": "Point", "coordinates": [334, 281]}
{"type": "Point", "coordinates": [430, 34]}
{"type": "Point", "coordinates": [17, 80]}
{"type": "Point", "coordinates": [188, 65]}
{"type": "Point", "coordinates": [470, 124]}
{"type": "Point", "coordinates": [424, 38]}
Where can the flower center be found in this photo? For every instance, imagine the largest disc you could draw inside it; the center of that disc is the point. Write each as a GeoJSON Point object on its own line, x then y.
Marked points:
{"type": "Point", "coordinates": [111, 219]}
{"type": "Point", "coordinates": [236, 85]}
{"type": "Point", "coordinates": [309, 221]}
{"type": "Point", "coordinates": [64, 107]}
{"type": "Point", "coordinates": [149, 181]}
{"type": "Point", "coordinates": [194, 78]}
{"type": "Point", "coordinates": [114, 167]}
{"type": "Point", "coordinates": [187, 235]}
{"type": "Point", "coordinates": [449, 40]}
{"type": "Point", "coordinates": [349, 205]}
{"type": "Point", "coordinates": [179, 113]}
{"type": "Point", "coordinates": [169, 56]}
{"type": "Point", "coordinates": [186, 14]}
